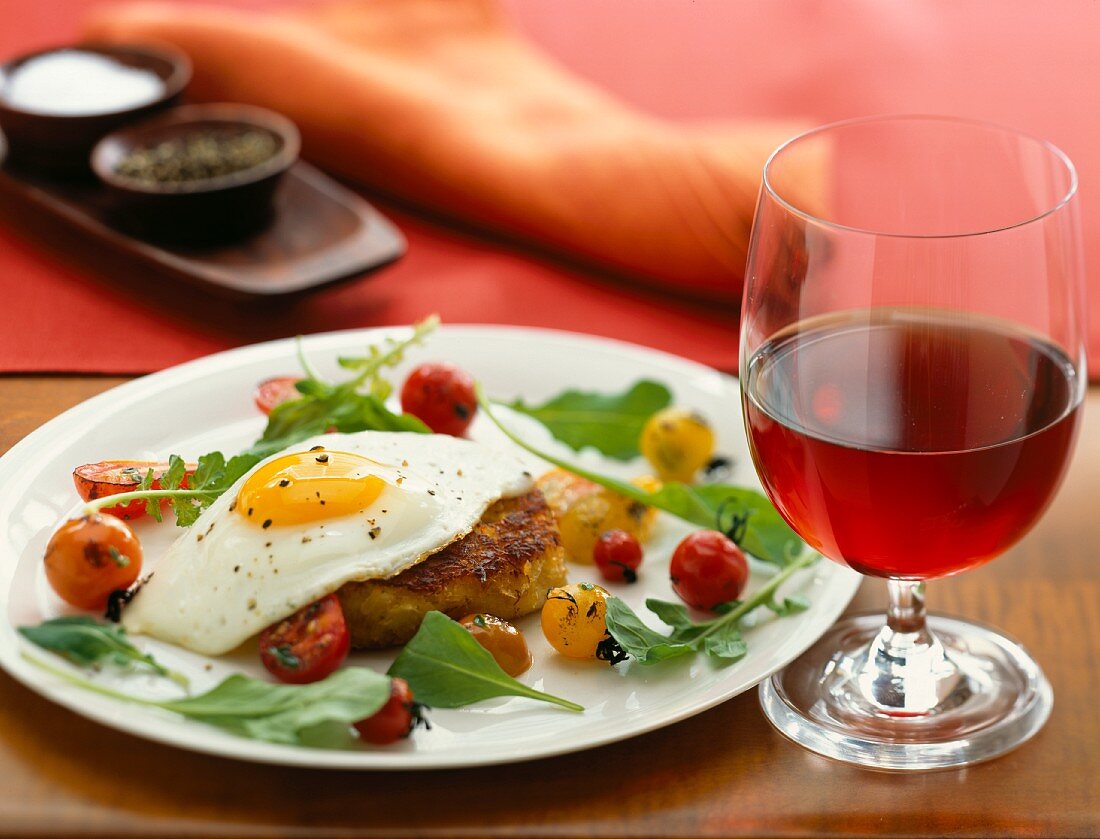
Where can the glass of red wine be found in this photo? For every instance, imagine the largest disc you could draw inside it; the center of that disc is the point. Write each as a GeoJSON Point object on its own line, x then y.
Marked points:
{"type": "Point", "coordinates": [912, 369]}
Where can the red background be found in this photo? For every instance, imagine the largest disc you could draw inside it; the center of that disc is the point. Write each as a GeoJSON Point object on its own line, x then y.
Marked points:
{"type": "Point", "coordinates": [1033, 66]}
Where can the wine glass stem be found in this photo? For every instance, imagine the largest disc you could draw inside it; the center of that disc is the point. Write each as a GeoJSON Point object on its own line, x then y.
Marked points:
{"type": "Point", "coordinates": [906, 612]}
{"type": "Point", "coordinates": [906, 671]}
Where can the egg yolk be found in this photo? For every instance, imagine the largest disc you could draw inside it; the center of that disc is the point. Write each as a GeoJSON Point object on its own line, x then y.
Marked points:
{"type": "Point", "coordinates": [308, 486]}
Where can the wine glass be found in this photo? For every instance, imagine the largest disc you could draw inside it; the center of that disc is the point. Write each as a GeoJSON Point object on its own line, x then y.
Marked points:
{"type": "Point", "coordinates": [912, 371]}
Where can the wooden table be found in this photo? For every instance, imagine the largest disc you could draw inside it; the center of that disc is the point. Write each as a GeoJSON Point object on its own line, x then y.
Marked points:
{"type": "Point", "coordinates": [724, 772]}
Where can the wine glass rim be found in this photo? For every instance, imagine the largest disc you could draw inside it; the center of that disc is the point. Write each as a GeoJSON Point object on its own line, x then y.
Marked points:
{"type": "Point", "coordinates": [1056, 152]}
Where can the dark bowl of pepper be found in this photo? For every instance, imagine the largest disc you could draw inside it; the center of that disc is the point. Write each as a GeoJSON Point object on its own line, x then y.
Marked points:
{"type": "Point", "coordinates": [197, 174]}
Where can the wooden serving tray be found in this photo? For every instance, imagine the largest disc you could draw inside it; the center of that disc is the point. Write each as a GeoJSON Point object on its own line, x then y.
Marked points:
{"type": "Point", "coordinates": [322, 233]}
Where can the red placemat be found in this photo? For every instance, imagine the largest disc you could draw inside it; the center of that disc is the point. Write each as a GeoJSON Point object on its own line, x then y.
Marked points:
{"type": "Point", "coordinates": [81, 309]}
{"type": "Point", "coordinates": [1034, 66]}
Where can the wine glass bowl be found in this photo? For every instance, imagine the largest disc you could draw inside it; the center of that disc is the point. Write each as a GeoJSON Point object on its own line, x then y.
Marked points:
{"type": "Point", "coordinates": [912, 377]}
{"type": "Point", "coordinates": [909, 444]}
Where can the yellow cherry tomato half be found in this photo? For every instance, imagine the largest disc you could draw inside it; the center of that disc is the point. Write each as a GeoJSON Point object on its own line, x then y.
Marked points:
{"type": "Point", "coordinates": [678, 443]}
{"type": "Point", "coordinates": [503, 641]}
{"type": "Point", "coordinates": [574, 619]}
{"type": "Point", "coordinates": [590, 516]}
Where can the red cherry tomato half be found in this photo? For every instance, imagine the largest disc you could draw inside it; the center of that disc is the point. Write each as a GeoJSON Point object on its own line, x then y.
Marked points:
{"type": "Point", "coordinates": [618, 554]}
{"type": "Point", "coordinates": [394, 720]}
{"type": "Point", "coordinates": [90, 557]}
{"type": "Point", "coordinates": [442, 396]}
{"type": "Point", "coordinates": [307, 646]}
{"type": "Point", "coordinates": [708, 569]}
{"type": "Point", "coordinates": [272, 392]}
{"type": "Point", "coordinates": [110, 477]}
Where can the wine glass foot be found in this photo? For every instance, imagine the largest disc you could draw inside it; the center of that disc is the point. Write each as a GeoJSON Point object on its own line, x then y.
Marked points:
{"type": "Point", "coordinates": [992, 698]}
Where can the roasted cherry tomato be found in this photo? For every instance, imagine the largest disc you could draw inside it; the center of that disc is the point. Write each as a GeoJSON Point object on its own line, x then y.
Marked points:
{"type": "Point", "coordinates": [708, 569]}
{"type": "Point", "coordinates": [678, 443]}
{"type": "Point", "coordinates": [442, 396]}
{"type": "Point", "coordinates": [110, 477]}
{"type": "Point", "coordinates": [308, 645]}
{"type": "Point", "coordinates": [394, 720]}
{"type": "Point", "coordinates": [90, 557]}
{"type": "Point", "coordinates": [506, 643]}
{"type": "Point", "coordinates": [275, 391]}
{"type": "Point", "coordinates": [618, 555]}
{"type": "Point", "coordinates": [574, 619]}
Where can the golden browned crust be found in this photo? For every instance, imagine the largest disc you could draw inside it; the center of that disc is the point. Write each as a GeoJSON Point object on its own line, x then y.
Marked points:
{"type": "Point", "coordinates": [503, 567]}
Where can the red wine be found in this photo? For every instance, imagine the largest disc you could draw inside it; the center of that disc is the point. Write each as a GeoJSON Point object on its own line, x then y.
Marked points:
{"type": "Point", "coordinates": [907, 444]}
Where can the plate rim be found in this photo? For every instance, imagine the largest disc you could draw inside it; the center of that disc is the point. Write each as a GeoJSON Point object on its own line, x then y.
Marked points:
{"type": "Point", "coordinates": [252, 751]}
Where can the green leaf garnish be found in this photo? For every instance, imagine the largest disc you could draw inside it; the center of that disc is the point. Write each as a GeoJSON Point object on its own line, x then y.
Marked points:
{"type": "Point", "coordinates": [285, 657]}
{"type": "Point", "coordinates": [790, 606]}
{"type": "Point", "coordinates": [611, 423]}
{"type": "Point", "coordinates": [447, 668]}
{"type": "Point", "coordinates": [636, 639]}
{"type": "Point", "coordinates": [443, 664]}
{"type": "Point", "coordinates": [282, 713]}
{"type": "Point", "coordinates": [87, 642]}
{"type": "Point", "coordinates": [743, 513]}
{"type": "Point", "coordinates": [263, 711]}
{"type": "Point", "coordinates": [391, 353]}
{"type": "Point", "coordinates": [117, 557]}
{"type": "Point", "coordinates": [719, 637]}
{"type": "Point", "coordinates": [354, 405]}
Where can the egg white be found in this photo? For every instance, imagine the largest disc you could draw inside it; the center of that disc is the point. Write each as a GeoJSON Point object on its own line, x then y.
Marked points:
{"type": "Point", "coordinates": [227, 578]}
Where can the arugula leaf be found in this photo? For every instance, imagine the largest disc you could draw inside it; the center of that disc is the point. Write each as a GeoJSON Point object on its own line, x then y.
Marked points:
{"type": "Point", "coordinates": [184, 508]}
{"type": "Point", "coordinates": [264, 711]}
{"type": "Point", "coordinates": [339, 407]}
{"type": "Point", "coordinates": [393, 352]}
{"type": "Point", "coordinates": [790, 605]}
{"type": "Point", "coordinates": [744, 514]}
{"type": "Point", "coordinates": [765, 534]}
{"type": "Point", "coordinates": [343, 406]}
{"type": "Point", "coordinates": [725, 643]}
{"type": "Point", "coordinates": [447, 668]}
{"type": "Point", "coordinates": [85, 641]}
{"type": "Point", "coordinates": [612, 423]}
{"type": "Point", "coordinates": [209, 469]}
{"type": "Point", "coordinates": [211, 478]}
{"type": "Point", "coordinates": [369, 413]}
{"type": "Point", "coordinates": [173, 476]}
{"type": "Point", "coordinates": [282, 713]}
{"type": "Point", "coordinates": [152, 504]}
{"type": "Point", "coordinates": [321, 407]}
{"type": "Point", "coordinates": [719, 637]}
{"type": "Point", "coordinates": [647, 645]}
{"type": "Point", "coordinates": [443, 664]}
{"type": "Point", "coordinates": [674, 614]}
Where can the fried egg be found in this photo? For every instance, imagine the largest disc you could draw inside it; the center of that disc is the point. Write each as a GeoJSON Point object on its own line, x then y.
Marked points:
{"type": "Point", "coordinates": [299, 525]}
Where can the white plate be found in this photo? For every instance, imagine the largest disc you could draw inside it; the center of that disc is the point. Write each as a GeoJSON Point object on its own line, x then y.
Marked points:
{"type": "Point", "coordinates": [207, 404]}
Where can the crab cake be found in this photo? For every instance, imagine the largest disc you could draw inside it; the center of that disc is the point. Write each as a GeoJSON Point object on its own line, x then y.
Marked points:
{"type": "Point", "coordinates": [503, 567]}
